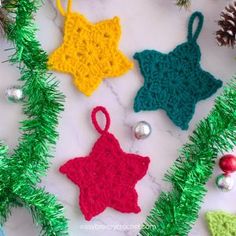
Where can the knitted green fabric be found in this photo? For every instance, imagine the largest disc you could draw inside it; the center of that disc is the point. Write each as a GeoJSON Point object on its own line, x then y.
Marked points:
{"type": "Point", "coordinates": [175, 82]}
{"type": "Point", "coordinates": [221, 223]}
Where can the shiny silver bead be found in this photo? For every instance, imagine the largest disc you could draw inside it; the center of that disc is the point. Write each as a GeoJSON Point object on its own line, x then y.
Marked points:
{"type": "Point", "coordinates": [15, 94]}
{"type": "Point", "coordinates": [142, 130]}
{"type": "Point", "coordinates": [225, 182]}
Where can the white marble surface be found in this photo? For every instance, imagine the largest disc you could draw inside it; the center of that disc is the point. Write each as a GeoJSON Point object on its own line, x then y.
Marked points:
{"type": "Point", "coordinates": [153, 24]}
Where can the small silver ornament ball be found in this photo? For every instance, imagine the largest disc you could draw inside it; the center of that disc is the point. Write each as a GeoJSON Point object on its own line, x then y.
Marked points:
{"type": "Point", "coordinates": [225, 182]}
{"type": "Point", "coordinates": [142, 130]}
{"type": "Point", "coordinates": [14, 94]}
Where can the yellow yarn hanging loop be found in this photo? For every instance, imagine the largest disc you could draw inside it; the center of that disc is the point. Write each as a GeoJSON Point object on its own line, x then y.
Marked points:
{"type": "Point", "coordinates": [61, 9]}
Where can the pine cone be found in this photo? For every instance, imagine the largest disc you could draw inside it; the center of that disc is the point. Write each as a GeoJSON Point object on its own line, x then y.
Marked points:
{"type": "Point", "coordinates": [225, 36]}
{"type": "Point", "coordinates": [5, 18]}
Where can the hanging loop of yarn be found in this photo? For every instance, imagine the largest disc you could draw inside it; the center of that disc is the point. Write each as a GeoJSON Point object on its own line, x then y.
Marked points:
{"type": "Point", "coordinates": [61, 9]}
{"type": "Point", "coordinates": [192, 36]}
{"type": "Point", "coordinates": [95, 122]}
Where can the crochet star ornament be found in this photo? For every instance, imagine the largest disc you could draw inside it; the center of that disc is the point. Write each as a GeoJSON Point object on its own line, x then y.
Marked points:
{"type": "Point", "coordinates": [107, 176]}
{"type": "Point", "coordinates": [221, 223]}
{"type": "Point", "coordinates": [175, 81]}
{"type": "Point", "coordinates": [90, 51]}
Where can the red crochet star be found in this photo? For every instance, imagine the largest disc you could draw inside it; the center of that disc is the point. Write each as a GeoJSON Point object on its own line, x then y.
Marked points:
{"type": "Point", "coordinates": [107, 177]}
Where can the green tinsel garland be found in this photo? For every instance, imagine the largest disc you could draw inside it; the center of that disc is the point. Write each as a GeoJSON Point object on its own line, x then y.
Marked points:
{"type": "Point", "coordinates": [21, 172]}
{"type": "Point", "coordinates": [175, 212]}
{"type": "Point", "coordinates": [183, 3]}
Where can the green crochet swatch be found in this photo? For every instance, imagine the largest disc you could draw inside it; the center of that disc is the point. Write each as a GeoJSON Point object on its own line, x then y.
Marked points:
{"type": "Point", "coordinates": [221, 223]}
{"type": "Point", "coordinates": [175, 82]}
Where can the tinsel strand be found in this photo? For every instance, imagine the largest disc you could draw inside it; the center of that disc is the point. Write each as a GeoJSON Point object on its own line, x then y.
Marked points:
{"type": "Point", "coordinates": [176, 211]}
{"type": "Point", "coordinates": [20, 173]}
{"type": "Point", "coordinates": [183, 3]}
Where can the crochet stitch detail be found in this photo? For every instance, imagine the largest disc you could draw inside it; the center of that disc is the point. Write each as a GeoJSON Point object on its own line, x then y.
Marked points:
{"type": "Point", "coordinates": [107, 176]}
{"type": "Point", "coordinates": [89, 51]}
{"type": "Point", "coordinates": [221, 223]}
{"type": "Point", "coordinates": [175, 82]}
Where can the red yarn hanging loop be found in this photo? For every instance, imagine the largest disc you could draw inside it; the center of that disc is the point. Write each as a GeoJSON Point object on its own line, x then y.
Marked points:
{"type": "Point", "coordinates": [95, 122]}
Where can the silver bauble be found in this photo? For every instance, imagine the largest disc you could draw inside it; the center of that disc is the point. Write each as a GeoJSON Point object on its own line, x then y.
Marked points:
{"type": "Point", "coordinates": [14, 94]}
{"type": "Point", "coordinates": [142, 130]}
{"type": "Point", "coordinates": [225, 182]}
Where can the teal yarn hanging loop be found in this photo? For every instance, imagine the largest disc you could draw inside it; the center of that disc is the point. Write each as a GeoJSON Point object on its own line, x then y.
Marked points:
{"type": "Point", "coordinates": [191, 36]}
{"type": "Point", "coordinates": [175, 82]}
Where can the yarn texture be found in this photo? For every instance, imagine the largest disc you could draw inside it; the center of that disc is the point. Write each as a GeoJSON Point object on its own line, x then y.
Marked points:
{"type": "Point", "coordinates": [107, 176]}
{"type": "Point", "coordinates": [90, 51]}
{"type": "Point", "coordinates": [221, 223]}
{"type": "Point", "coordinates": [175, 81]}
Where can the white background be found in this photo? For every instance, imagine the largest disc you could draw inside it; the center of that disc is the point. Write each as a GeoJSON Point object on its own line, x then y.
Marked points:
{"type": "Point", "coordinates": [146, 24]}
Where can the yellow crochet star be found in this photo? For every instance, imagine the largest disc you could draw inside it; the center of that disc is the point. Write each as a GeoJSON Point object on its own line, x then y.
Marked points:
{"type": "Point", "coordinates": [90, 52]}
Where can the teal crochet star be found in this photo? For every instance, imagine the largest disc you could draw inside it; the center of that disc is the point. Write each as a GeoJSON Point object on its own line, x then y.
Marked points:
{"type": "Point", "coordinates": [175, 82]}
